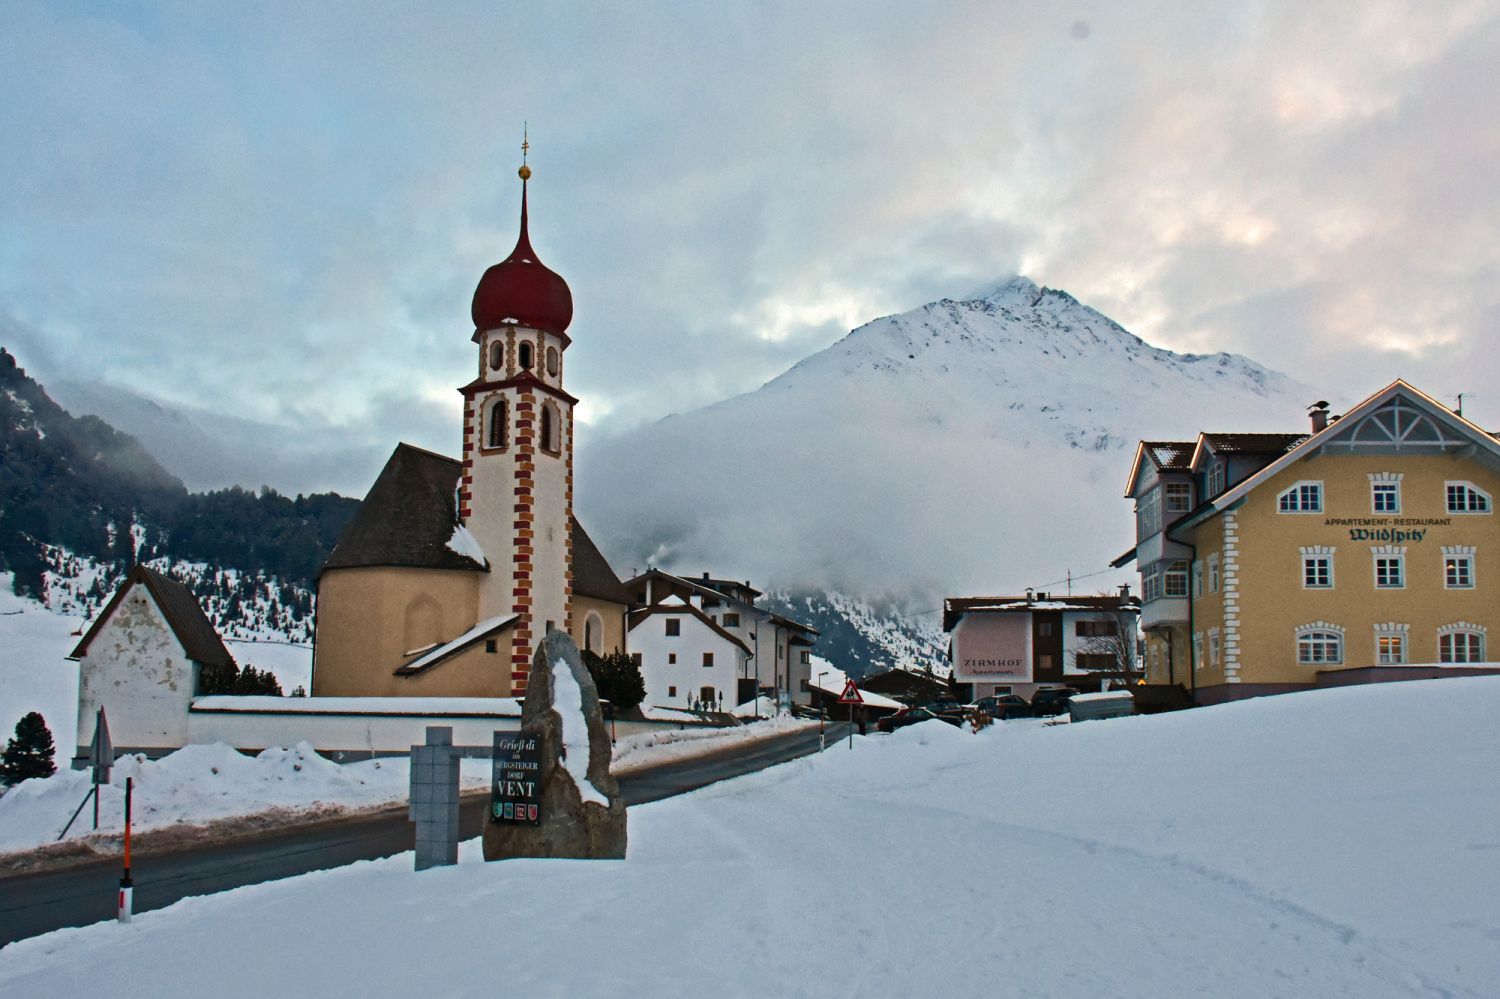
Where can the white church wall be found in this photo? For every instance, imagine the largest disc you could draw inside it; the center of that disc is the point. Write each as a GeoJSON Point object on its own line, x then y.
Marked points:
{"type": "Point", "coordinates": [348, 727]}
{"type": "Point", "coordinates": [136, 670]}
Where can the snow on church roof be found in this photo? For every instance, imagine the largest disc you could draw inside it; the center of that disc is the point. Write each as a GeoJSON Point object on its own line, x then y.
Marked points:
{"type": "Point", "coordinates": [407, 518]}
{"type": "Point", "coordinates": [465, 544]}
{"type": "Point", "coordinates": [480, 631]}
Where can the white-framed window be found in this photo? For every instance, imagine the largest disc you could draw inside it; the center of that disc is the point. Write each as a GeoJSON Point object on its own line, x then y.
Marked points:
{"type": "Point", "coordinates": [1175, 580]}
{"type": "Point", "coordinates": [1320, 644]}
{"type": "Point", "coordinates": [1215, 482]}
{"type": "Point", "coordinates": [1151, 582]}
{"type": "Point", "coordinates": [1197, 578]}
{"type": "Point", "coordinates": [1390, 643]}
{"type": "Point", "coordinates": [1390, 567]}
{"type": "Point", "coordinates": [1179, 497]}
{"type": "Point", "coordinates": [1303, 497]}
{"type": "Point", "coordinates": [1385, 492]}
{"type": "Point", "coordinates": [1461, 643]}
{"type": "Point", "coordinates": [1197, 650]}
{"type": "Point", "coordinates": [1213, 647]}
{"type": "Point", "coordinates": [1317, 568]}
{"type": "Point", "coordinates": [1458, 567]}
{"type": "Point", "coordinates": [1148, 513]}
{"type": "Point", "coordinates": [1466, 497]}
{"type": "Point", "coordinates": [1213, 573]}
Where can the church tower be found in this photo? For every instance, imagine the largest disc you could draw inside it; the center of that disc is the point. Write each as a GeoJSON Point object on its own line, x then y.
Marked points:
{"type": "Point", "coordinates": [516, 488]}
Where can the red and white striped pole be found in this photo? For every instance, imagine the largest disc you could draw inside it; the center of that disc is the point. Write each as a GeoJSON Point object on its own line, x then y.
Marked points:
{"type": "Point", "coordinates": [127, 888]}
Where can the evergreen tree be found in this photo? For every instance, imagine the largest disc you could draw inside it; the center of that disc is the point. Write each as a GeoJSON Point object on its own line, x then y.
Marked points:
{"type": "Point", "coordinates": [618, 678]}
{"type": "Point", "coordinates": [29, 753]}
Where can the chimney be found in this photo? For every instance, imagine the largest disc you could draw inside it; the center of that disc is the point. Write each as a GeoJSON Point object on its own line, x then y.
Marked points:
{"type": "Point", "coordinates": [1124, 591]}
{"type": "Point", "coordinates": [1030, 594]}
{"type": "Point", "coordinates": [707, 576]}
{"type": "Point", "coordinates": [1318, 411]}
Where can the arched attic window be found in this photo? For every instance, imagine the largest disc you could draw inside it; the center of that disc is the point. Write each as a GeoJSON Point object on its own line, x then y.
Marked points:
{"type": "Point", "coordinates": [525, 352]}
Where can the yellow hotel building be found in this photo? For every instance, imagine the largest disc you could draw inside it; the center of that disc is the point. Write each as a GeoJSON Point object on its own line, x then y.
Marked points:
{"type": "Point", "coordinates": [1364, 550]}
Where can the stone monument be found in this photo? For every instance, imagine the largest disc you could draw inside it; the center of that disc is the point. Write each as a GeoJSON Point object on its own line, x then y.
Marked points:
{"type": "Point", "coordinates": [579, 812]}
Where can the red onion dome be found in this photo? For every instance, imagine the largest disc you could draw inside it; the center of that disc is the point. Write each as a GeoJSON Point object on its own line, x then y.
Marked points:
{"type": "Point", "coordinates": [521, 289]}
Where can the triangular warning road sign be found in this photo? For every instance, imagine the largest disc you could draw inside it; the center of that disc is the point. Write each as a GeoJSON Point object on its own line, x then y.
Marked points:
{"type": "Point", "coordinates": [850, 694]}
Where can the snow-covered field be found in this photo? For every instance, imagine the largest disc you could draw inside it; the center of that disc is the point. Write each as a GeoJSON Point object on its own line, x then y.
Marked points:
{"type": "Point", "coordinates": [1334, 843]}
{"type": "Point", "coordinates": [34, 676]}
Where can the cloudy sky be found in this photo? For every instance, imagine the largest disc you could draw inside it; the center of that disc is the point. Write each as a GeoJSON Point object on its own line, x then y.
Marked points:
{"type": "Point", "coordinates": [279, 212]}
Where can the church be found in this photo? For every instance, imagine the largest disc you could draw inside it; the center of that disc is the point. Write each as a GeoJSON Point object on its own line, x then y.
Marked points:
{"type": "Point", "coordinates": [453, 570]}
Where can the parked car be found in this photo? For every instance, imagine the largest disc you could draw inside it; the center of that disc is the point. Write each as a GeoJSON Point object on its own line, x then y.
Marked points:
{"type": "Point", "coordinates": [911, 716]}
{"type": "Point", "coordinates": [947, 709]}
{"type": "Point", "coordinates": [1004, 706]}
{"type": "Point", "coordinates": [1051, 701]}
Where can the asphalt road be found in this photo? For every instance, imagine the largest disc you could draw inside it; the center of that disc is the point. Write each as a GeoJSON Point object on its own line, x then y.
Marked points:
{"type": "Point", "coordinates": [31, 904]}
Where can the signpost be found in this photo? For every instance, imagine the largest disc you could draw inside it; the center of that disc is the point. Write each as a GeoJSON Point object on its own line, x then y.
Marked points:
{"type": "Point", "coordinates": [515, 791]}
{"type": "Point", "coordinates": [102, 757]}
{"type": "Point", "coordinates": [103, 753]}
{"type": "Point", "coordinates": [851, 697]}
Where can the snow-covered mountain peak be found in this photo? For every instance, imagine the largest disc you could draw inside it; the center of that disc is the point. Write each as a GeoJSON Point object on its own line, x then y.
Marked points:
{"type": "Point", "coordinates": [955, 448]}
{"type": "Point", "coordinates": [1015, 288]}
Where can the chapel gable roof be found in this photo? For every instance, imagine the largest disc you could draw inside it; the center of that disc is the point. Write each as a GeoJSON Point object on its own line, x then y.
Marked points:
{"type": "Point", "coordinates": [184, 615]}
{"type": "Point", "coordinates": [408, 517]}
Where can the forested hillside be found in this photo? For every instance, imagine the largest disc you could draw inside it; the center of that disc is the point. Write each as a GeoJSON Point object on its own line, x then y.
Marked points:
{"type": "Point", "coordinates": [77, 486]}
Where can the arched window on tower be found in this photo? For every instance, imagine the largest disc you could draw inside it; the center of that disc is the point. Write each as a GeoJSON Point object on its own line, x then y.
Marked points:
{"type": "Point", "coordinates": [525, 355]}
{"type": "Point", "coordinates": [549, 427]}
{"type": "Point", "coordinates": [497, 355]}
{"type": "Point", "coordinates": [499, 425]}
{"type": "Point", "coordinates": [552, 361]}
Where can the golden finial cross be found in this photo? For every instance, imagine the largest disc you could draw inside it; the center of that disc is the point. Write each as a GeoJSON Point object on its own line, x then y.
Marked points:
{"type": "Point", "coordinates": [525, 143]}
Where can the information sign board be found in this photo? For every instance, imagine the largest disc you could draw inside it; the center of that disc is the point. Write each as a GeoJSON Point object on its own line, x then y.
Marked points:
{"type": "Point", "coordinates": [515, 790]}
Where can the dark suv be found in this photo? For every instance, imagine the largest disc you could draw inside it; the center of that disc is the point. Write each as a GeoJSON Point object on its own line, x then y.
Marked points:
{"type": "Point", "coordinates": [1051, 701]}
